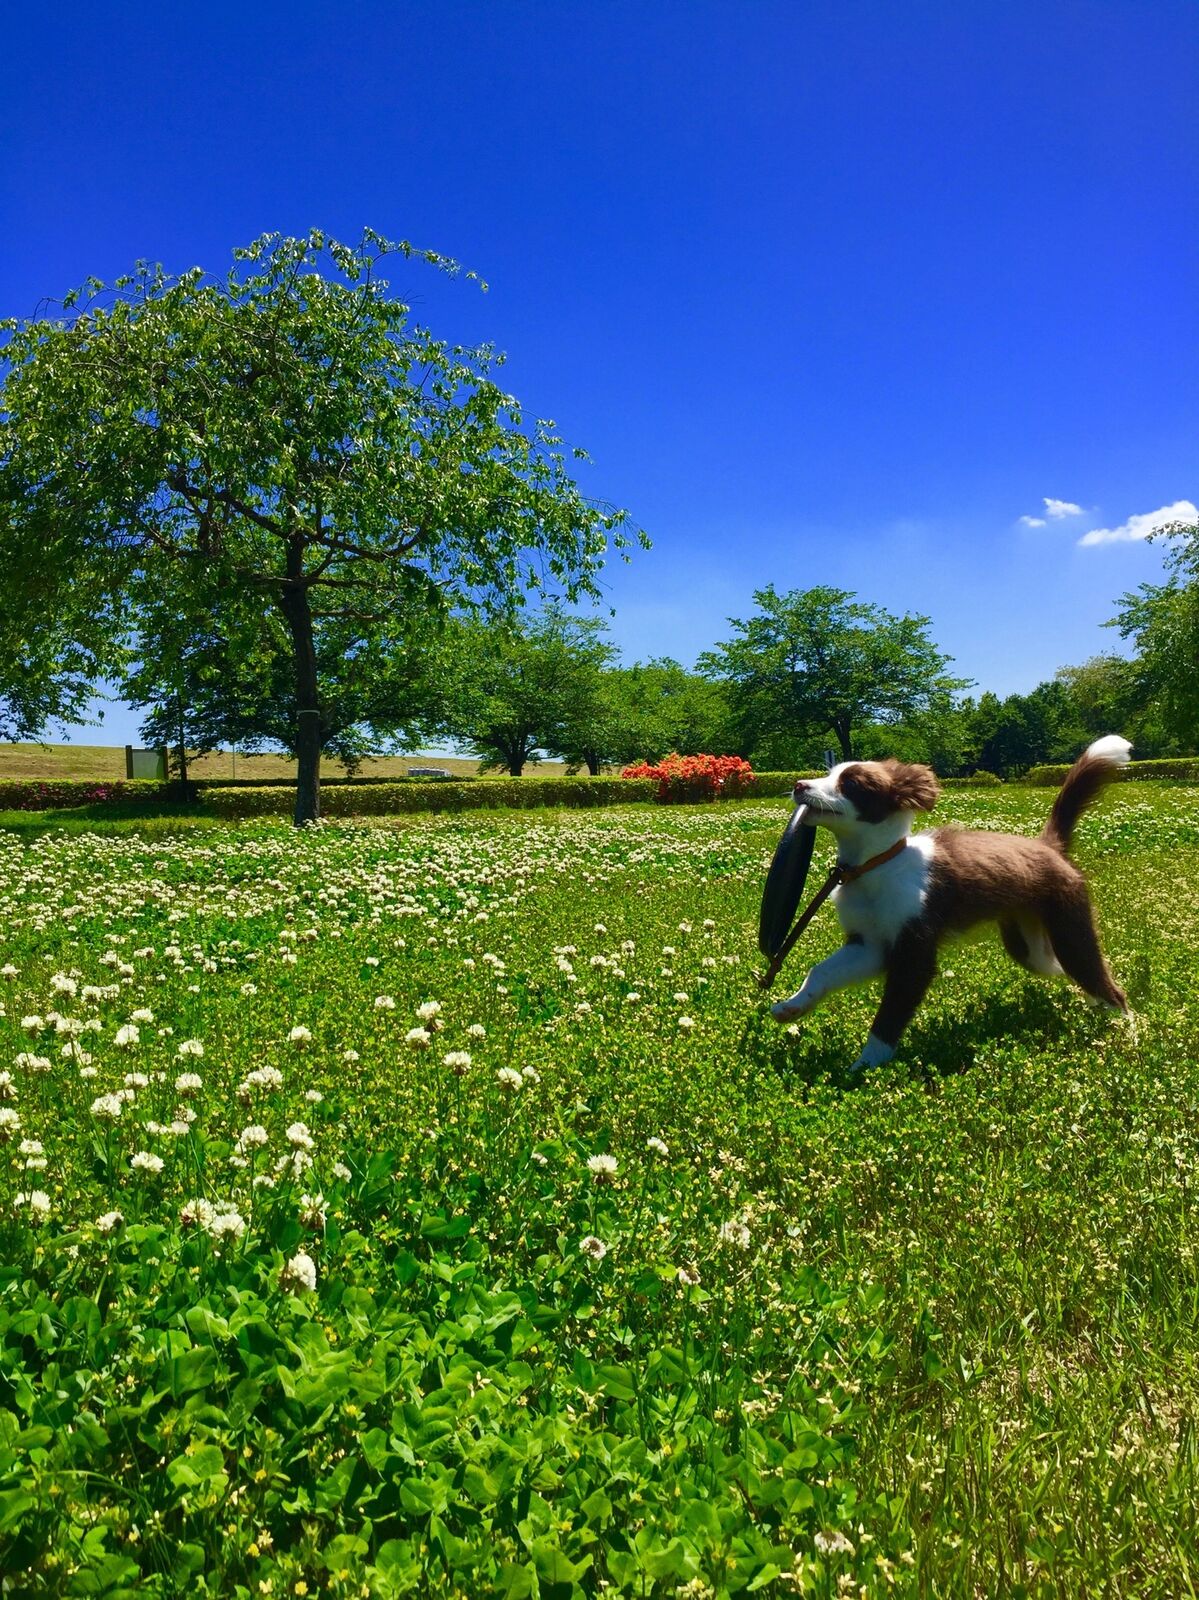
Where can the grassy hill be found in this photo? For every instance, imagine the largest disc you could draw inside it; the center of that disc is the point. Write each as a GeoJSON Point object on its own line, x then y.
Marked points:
{"type": "Point", "coordinates": [101, 762]}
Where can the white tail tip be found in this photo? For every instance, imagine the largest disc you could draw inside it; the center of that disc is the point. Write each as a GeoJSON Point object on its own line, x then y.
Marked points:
{"type": "Point", "coordinates": [1110, 748]}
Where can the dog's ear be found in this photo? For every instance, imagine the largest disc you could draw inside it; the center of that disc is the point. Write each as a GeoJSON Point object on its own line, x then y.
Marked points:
{"type": "Point", "coordinates": [913, 787]}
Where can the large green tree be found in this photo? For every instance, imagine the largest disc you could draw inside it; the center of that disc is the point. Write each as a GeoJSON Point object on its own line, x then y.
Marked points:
{"type": "Point", "coordinates": [225, 677]}
{"type": "Point", "coordinates": [1162, 620]}
{"type": "Point", "coordinates": [286, 432]}
{"type": "Point", "coordinates": [641, 713]}
{"type": "Point", "coordinates": [512, 688]}
{"type": "Point", "coordinates": [820, 661]}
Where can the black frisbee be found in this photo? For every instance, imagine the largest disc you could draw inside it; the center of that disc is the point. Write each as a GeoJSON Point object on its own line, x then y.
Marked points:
{"type": "Point", "coordinates": [785, 882]}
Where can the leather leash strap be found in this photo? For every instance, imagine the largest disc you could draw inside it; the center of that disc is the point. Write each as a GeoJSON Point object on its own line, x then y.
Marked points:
{"type": "Point", "coordinates": [837, 875]}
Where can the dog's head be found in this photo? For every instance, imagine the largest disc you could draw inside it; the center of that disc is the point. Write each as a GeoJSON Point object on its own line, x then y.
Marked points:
{"type": "Point", "coordinates": [862, 797]}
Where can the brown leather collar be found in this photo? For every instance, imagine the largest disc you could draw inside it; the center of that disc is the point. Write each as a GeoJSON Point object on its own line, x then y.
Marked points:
{"type": "Point", "coordinates": [852, 874]}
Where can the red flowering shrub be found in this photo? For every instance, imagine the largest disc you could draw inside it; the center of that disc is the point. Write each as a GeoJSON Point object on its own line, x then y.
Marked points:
{"type": "Point", "coordinates": [695, 777]}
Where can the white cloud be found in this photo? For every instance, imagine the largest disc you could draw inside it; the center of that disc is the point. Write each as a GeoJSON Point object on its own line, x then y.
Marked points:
{"type": "Point", "coordinates": [1032, 522]}
{"type": "Point", "coordinates": [1057, 509]}
{"type": "Point", "coordinates": [1143, 524]}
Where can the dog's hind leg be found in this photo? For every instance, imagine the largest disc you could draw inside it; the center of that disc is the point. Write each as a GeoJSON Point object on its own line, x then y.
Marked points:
{"type": "Point", "coordinates": [1070, 924]}
{"type": "Point", "coordinates": [911, 967]}
{"type": "Point", "coordinates": [1025, 940]}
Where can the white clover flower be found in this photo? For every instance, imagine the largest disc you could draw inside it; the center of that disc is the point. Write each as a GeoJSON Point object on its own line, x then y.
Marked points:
{"type": "Point", "coordinates": [418, 1038]}
{"type": "Point", "coordinates": [429, 1010]}
{"type": "Point", "coordinates": [225, 1225]}
{"type": "Point", "coordinates": [253, 1138]}
{"type": "Point", "coordinates": [476, 1031]}
{"type": "Point", "coordinates": [31, 1147]}
{"type": "Point", "coordinates": [735, 1233]}
{"type": "Point", "coordinates": [136, 1080]}
{"type": "Point", "coordinates": [110, 1222]}
{"type": "Point", "coordinates": [601, 1167]}
{"type": "Point", "coordinates": [530, 1074]}
{"type": "Point", "coordinates": [144, 1161]}
{"type": "Point", "coordinates": [658, 1146]}
{"type": "Point", "coordinates": [313, 1210]}
{"type": "Point", "coordinates": [190, 1047]}
{"type": "Point", "coordinates": [457, 1060]}
{"type": "Point", "coordinates": [38, 1202]}
{"type": "Point", "coordinates": [107, 1107]}
{"type": "Point", "coordinates": [248, 989]}
{"type": "Point", "coordinates": [142, 1014]}
{"type": "Point", "coordinates": [33, 1024]}
{"type": "Point", "coordinates": [188, 1083]}
{"type": "Point", "coordinates": [313, 1096]}
{"type": "Point", "coordinates": [538, 1158]}
{"type": "Point", "coordinates": [61, 984]}
{"type": "Point", "coordinates": [299, 1137]}
{"type": "Point", "coordinates": [681, 998]}
{"type": "Point", "coordinates": [709, 924]}
{"type": "Point", "coordinates": [341, 1172]}
{"type": "Point", "coordinates": [593, 1248]}
{"type": "Point", "coordinates": [351, 1056]}
{"type": "Point", "coordinates": [834, 1543]}
{"type": "Point", "coordinates": [686, 1024]}
{"type": "Point", "coordinates": [632, 997]}
{"type": "Point", "coordinates": [179, 1129]}
{"type": "Point", "coordinates": [688, 1277]}
{"type": "Point", "coordinates": [371, 961]}
{"type": "Point", "coordinates": [384, 1002]}
{"type": "Point", "coordinates": [9, 971]}
{"type": "Point", "coordinates": [299, 1275]}
{"type": "Point", "coordinates": [197, 1213]}
{"type": "Point", "coordinates": [10, 1123]}
{"type": "Point", "coordinates": [26, 1062]}
{"type": "Point", "coordinates": [300, 1036]}
{"type": "Point", "coordinates": [127, 1035]}
{"type": "Point", "coordinates": [509, 1078]}
{"type": "Point", "coordinates": [8, 1089]}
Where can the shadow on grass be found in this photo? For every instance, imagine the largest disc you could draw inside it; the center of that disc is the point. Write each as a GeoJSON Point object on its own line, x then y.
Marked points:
{"type": "Point", "coordinates": [112, 816]}
{"type": "Point", "coordinates": [943, 1041]}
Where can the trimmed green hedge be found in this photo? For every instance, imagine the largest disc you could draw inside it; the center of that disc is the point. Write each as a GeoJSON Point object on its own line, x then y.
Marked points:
{"type": "Point", "coordinates": [36, 794]}
{"type": "Point", "coordinates": [386, 799]}
{"type": "Point", "coordinates": [976, 780]}
{"type": "Point", "coordinates": [1184, 768]}
{"type": "Point", "coordinates": [766, 785]}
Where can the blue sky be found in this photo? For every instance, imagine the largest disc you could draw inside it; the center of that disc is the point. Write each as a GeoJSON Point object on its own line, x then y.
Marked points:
{"type": "Point", "coordinates": [832, 293]}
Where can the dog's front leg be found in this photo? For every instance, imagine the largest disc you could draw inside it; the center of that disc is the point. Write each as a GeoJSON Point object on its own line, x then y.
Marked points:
{"type": "Point", "coordinates": [853, 963]}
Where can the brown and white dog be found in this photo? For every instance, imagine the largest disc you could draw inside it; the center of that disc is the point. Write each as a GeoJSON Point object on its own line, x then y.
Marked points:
{"type": "Point", "coordinates": [903, 894]}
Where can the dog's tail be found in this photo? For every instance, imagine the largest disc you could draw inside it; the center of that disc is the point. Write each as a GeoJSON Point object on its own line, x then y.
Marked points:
{"type": "Point", "coordinates": [1095, 767]}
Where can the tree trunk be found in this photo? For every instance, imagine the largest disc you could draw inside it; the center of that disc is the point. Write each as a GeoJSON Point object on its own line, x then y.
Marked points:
{"type": "Point", "coordinates": [516, 766]}
{"type": "Point", "coordinates": [593, 762]}
{"type": "Point", "coordinates": [298, 613]}
{"type": "Point", "coordinates": [182, 744]}
{"type": "Point", "coordinates": [841, 729]}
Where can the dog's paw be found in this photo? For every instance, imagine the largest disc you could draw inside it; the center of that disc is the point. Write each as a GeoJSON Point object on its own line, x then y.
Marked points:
{"type": "Point", "coordinates": [874, 1053]}
{"type": "Point", "coordinates": [791, 1010]}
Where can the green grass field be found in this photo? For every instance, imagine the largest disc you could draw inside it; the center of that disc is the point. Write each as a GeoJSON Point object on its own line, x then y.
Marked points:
{"type": "Point", "coordinates": [479, 1233]}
